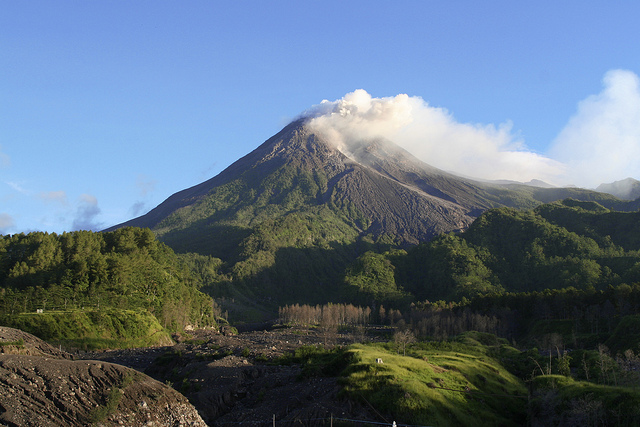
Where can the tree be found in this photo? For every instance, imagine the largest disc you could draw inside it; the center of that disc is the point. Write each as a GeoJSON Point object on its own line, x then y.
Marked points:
{"type": "Point", "coordinates": [402, 337]}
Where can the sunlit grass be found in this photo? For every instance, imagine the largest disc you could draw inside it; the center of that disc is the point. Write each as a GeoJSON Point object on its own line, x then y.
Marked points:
{"type": "Point", "coordinates": [435, 387]}
{"type": "Point", "coordinates": [94, 329]}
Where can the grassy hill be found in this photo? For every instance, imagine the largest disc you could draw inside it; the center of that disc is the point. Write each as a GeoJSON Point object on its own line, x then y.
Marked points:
{"type": "Point", "coordinates": [93, 329]}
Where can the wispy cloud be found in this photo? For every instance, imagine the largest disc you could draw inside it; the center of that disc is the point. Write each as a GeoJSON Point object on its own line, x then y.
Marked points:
{"type": "Point", "coordinates": [18, 188]}
{"type": "Point", "coordinates": [138, 208]}
{"type": "Point", "coordinates": [86, 214]}
{"type": "Point", "coordinates": [601, 142]}
{"type": "Point", "coordinates": [5, 160]}
{"type": "Point", "coordinates": [145, 184]}
{"type": "Point", "coordinates": [54, 196]}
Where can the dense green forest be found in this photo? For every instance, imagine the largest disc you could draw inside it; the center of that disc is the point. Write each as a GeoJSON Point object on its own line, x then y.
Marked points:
{"type": "Point", "coordinates": [127, 269]}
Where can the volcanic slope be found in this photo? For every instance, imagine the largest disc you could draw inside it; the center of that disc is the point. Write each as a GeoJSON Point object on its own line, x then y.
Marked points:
{"type": "Point", "coordinates": [374, 190]}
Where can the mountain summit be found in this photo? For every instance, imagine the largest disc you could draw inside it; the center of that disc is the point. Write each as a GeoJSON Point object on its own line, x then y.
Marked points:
{"type": "Point", "coordinates": [371, 186]}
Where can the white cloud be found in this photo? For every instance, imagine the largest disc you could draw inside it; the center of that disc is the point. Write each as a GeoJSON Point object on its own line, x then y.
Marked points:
{"type": "Point", "coordinates": [601, 142]}
{"type": "Point", "coordinates": [433, 135]}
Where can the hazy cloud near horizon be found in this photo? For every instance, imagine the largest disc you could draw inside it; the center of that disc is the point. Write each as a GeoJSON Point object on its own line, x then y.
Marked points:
{"type": "Point", "coordinates": [6, 222]}
{"type": "Point", "coordinates": [603, 136]}
{"type": "Point", "coordinates": [86, 214]}
{"type": "Point", "coordinates": [54, 196]}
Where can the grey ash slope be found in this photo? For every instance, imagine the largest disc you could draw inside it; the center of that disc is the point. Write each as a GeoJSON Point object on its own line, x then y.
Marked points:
{"type": "Point", "coordinates": [377, 191]}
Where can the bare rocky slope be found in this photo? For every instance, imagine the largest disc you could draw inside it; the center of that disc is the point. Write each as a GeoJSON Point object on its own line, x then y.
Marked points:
{"type": "Point", "coordinates": [41, 386]}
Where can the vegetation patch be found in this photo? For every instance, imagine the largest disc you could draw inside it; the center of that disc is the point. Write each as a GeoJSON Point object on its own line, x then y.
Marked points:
{"type": "Point", "coordinates": [93, 329]}
{"type": "Point", "coordinates": [19, 343]}
{"type": "Point", "coordinates": [126, 269]}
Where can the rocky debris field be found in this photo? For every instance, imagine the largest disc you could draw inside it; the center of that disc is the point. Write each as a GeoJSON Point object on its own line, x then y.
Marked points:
{"type": "Point", "coordinates": [41, 386]}
{"type": "Point", "coordinates": [231, 378]}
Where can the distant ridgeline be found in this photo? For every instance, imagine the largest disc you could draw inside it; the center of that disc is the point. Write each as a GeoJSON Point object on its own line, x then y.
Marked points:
{"type": "Point", "coordinates": [126, 271]}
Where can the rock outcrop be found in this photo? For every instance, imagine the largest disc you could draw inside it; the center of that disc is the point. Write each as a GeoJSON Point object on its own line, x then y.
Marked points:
{"type": "Point", "coordinates": [41, 386]}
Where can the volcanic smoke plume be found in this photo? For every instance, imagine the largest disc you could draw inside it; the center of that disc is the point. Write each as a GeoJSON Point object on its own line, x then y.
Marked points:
{"type": "Point", "coordinates": [601, 143]}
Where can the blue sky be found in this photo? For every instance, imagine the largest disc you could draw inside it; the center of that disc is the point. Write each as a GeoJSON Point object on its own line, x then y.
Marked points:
{"type": "Point", "coordinates": [108, 108]}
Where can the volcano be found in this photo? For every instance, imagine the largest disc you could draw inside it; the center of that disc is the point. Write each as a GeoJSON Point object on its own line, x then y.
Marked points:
{"type": "Point", "coordinates": [284, 223]}
{"type": "Point", "coordinates": [372, 188]}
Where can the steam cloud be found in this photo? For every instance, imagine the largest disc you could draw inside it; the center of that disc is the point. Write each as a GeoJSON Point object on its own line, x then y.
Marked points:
{"type": "Point", "coordinates": [432, 135]}
{"type": "Point", "coordinates": [603, 136]}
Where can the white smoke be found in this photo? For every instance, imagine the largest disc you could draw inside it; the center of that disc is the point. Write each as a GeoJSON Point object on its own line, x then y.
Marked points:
{"type": "Point", "coordinates": [432, 135]}
{"type": "Point", "coordinates": [601, 142]}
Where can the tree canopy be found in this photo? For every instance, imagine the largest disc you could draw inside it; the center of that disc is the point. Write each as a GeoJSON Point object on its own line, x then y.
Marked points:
{"type": "Point", "coordinates": [127, 268]}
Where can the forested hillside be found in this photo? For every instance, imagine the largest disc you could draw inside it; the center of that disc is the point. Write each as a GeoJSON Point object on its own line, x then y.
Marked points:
{"type": "Point", "coordinates": [309, 259]}
{"type": "Point", "coordinates": [557, 245]}
{"type": "Point", "coordinates": [304, 258]}
{"type": "Point", "coordinates": [127, 269]}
